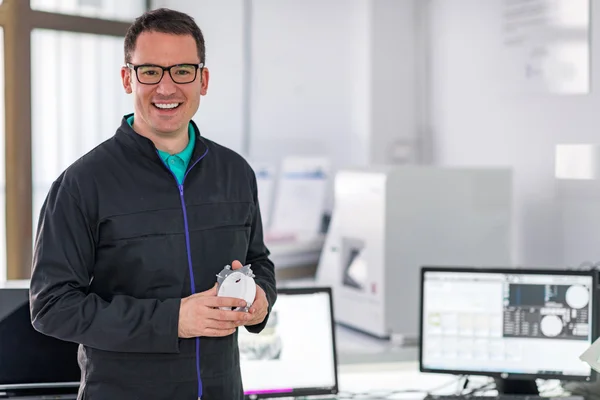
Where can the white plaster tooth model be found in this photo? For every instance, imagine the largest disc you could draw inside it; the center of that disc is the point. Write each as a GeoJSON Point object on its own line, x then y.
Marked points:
{"type": "Point", "coordinates": [237, 283]}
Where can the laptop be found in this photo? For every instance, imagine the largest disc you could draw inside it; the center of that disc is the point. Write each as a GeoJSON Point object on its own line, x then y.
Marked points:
{"type": "Point", "coordinates": [295, 354]}
{"type": "Point", "coordinates": [32, 365]}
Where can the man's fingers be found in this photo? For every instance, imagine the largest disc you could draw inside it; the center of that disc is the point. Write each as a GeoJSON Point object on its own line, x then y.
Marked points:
{"type": "Point", "coordinates": [226, 315]}
{"type": "Point", "coordinates": [224, 302]}
{"type": "Point", "coordinates": [258, 305]}
{"type": "Point", "coordinates": [236, 265]}
{"type": "Point", "coordinates": [257, 318]}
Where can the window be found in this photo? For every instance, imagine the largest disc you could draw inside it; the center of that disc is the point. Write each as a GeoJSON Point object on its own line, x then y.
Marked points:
{"type": "Point", "coordinates": [77, 101]}
{"type": "Point", "coordinates": [2, 166]}
{"type": "Point", "coordinates": [120, 10]}
{"type": "Point", "coordinates": [66, 99]}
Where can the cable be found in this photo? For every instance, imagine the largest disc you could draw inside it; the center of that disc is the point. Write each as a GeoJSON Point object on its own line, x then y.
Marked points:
{"type": "Point", "coordinates": [464, 385]}
{"type": "Point", "coordinates": [479, 389]}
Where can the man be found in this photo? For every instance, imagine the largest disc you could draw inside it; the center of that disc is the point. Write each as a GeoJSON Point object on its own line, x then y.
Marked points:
{"type": "Point", "coordinates": [132, 235]}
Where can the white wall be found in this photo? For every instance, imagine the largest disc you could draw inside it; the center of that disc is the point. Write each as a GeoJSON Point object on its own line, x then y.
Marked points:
{"type": "Point", "coordinates": [338, 77]}
{"type": "Point", "coordinates": [310, 79]}
{"type": "Point", "coordinates": [477, 122]}
{"type": "Point", "coordinates": [393, 108]}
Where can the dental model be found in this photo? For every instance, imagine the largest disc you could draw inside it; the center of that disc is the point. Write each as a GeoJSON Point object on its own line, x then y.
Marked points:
{"type": "Point", "coordinates": [237, 283]}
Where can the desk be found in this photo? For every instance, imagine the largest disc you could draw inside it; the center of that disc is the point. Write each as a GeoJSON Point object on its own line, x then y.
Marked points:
{"type": "Point", "coordinates": [395, 376]}
{"type": "Point", "coordinates": [405, 376]}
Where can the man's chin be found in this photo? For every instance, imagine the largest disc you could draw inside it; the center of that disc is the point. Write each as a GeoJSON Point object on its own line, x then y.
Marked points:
{"type": "Point", "coordinates": [169, 129]}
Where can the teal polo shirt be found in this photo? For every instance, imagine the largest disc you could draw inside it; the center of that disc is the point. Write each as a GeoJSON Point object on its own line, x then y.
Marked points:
{"type": "Point", "coordinates": [177, 163]}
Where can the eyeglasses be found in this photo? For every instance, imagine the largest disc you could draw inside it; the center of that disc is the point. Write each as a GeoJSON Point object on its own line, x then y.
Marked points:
{"type": "Point", "coordinates": [149, 74]}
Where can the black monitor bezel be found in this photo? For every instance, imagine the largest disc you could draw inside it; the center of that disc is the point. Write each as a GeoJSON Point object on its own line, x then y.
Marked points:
{"type": "Point", "coordinates": [503, 270]}
{"type": "Point", "coordinates": [300, 392]}
{"type": "Point", "coordinates": [35, 388]}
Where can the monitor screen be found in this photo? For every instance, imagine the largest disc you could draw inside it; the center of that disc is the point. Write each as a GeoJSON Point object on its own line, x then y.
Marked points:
{"type": "Point", "coordinates": [295, 354]}
{"type": "Point", "coordinates": [30, 360]}
{"type": "Point", "coordinates": [507, 322]}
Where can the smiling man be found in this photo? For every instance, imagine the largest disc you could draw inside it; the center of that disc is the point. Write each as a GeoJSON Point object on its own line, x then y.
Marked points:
{"type": "Point", "coordinates": [132, 235]}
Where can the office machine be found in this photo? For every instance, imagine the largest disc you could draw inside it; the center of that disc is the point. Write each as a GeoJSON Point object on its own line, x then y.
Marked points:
{"type": "Point", "coordinates": [32, 365]}
{"type": "Point", "coordinates": [515, 325]}
{"type": "Point", "coordinates": [295, 355]}
{"type": "Point", "coordinates": [387, 222]}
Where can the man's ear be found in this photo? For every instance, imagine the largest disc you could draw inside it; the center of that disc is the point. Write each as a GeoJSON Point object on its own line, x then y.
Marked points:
{"type": "Point", "coordinates": [126, 79]}
{"type": "Point", "coordinates": [205, 76]}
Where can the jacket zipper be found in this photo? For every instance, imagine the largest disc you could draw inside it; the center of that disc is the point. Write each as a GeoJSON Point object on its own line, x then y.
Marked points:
{"type": "Point", "coordinates": [189, 253]}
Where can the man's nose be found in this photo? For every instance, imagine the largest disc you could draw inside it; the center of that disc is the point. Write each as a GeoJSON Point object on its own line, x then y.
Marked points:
{"type": "Point", "coordinates": [166, 86]}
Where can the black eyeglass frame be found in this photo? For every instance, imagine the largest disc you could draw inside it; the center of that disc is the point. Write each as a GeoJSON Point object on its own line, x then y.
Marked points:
{"type": "Point", "coordinates": [135, 69]}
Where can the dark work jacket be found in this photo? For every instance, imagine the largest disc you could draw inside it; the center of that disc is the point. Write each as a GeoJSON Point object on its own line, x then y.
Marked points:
{"type": "Point", "coordinates": [119, 243]}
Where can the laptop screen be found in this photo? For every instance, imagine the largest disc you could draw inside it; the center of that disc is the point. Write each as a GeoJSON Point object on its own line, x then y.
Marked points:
{"type": "Point", "coordinates": [295, 354]}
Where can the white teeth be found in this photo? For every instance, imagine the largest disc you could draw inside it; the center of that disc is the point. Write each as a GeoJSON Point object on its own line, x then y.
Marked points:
{"type": "Point", "coordinates": [166, 106]}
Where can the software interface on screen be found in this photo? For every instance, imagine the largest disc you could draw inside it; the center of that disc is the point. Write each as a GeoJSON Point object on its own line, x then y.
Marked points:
{"type": "Point", "coordinates": [515, 323]}
{"type": "Point", "coordinates": [294, 351]}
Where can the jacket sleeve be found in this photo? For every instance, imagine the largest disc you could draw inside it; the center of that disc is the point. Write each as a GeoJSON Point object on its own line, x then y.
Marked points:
{"type": "Point", "coordinates": [61, 303]}
{"type": "Point", "coordinates": [258, 257]}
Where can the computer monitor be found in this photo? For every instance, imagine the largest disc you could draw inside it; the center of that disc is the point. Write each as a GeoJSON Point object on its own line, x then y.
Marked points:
{"type": "Point", "coordinates": [515, 325]}
{"type": "Point", "coordinates": [30, 362]}
{"type": "Point", "coordinates": [295, 354]}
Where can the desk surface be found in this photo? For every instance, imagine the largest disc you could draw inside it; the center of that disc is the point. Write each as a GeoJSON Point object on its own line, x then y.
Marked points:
{"type": "Point", "coordinates": [406, 377]}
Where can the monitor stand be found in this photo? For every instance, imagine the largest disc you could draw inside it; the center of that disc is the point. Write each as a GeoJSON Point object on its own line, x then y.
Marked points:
{"type": "Point", "coordinates": [516, 386]}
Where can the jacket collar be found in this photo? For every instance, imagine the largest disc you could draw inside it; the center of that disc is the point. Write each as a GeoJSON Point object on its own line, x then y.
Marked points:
{"type": "Point", "coordinates": [146, 147]}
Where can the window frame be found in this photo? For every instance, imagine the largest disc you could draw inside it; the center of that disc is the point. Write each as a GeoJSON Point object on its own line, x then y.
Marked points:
{"type": "Point", "coordinates": [18, 20]}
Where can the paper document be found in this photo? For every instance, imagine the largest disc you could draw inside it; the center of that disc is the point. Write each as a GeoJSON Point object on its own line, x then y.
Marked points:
{"type": "Point", "coordinates": [300, 197]}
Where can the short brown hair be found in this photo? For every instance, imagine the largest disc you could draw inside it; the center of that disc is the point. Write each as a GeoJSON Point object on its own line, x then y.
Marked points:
{"type": "Point", "coordinates": [164, 20]}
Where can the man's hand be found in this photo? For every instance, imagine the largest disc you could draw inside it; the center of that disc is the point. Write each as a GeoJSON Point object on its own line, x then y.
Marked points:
{"type": "Point", "coordinates": [199, 315]}
{"type": "Point", "coordinates": [258, 310]}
